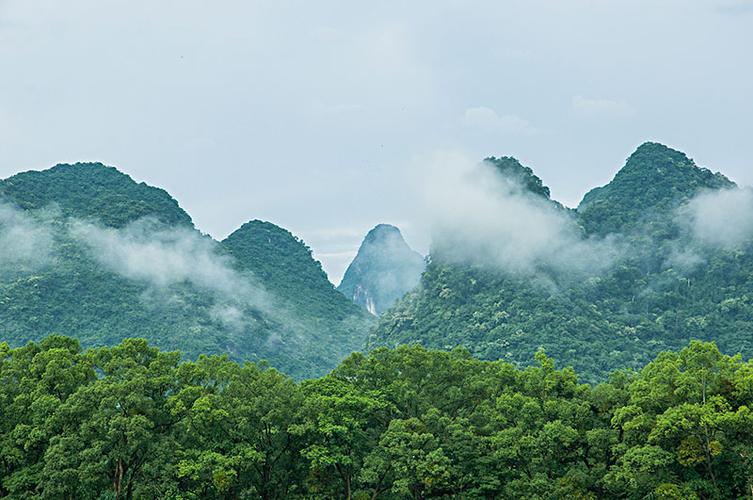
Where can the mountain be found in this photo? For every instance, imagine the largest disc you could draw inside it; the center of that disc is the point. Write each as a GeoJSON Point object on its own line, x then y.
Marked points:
{"type": "Point", "coordinates": [384, 270]}
{"type": "Point", "coordinates": [654, 181]}
{"type": "Point", "coordinates": [90, 253]}
{"type": "Point", "coordinates": [92, 191]}
{"type": "Point", "coordinates": [511, 169]}
{"type": "Point", "coordinates": [650, 284]}
{"type": "Point", "coordinates": [285, 266]}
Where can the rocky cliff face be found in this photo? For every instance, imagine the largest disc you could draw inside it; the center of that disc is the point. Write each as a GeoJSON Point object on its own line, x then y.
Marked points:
{"type": "Point", "coordinates": [384, 270]}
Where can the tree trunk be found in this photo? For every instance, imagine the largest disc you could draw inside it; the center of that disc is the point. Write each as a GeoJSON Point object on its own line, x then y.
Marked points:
{"type": "Point", "coordinates": [117, 483]}
{"type": "Point", "coordinates": [266, 480]}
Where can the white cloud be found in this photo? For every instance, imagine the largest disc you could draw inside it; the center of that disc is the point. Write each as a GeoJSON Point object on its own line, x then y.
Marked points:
{"type": "Point", "coordinates": [486, 119]}
{"type": "Point", "coordinates": [591, 107]}
{"type": "Point", "coordinates": [722, 218]}
{"type": "Point", "coordinates": [479, 217]}
{"type": "Point", "coordinates": [25, 242]}
{"type": "Point", "coordinates": [161, 257]}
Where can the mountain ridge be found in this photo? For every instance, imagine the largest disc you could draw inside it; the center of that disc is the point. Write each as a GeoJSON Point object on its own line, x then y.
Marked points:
{"type": "Point", "coordinates": [125, 260]}
{"type": "Point", "coordinates": [127, 257]}
{"type": "Point", "coordinates": [85, 190]}
{"type": "Point", "coordinates": [654, 178]}
{"type": "Point", "coordinates": [661, 289]}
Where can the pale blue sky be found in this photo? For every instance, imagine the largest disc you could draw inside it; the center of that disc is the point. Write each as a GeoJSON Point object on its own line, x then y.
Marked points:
{"type": "Point", "coordinates": [312, 114]}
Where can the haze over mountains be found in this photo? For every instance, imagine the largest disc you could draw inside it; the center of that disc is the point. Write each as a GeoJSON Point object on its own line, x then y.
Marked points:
{"type": "Point", "coordinates": [657, 257]}
{"type": "Point", "coordinates": [90, 253]}
{"type": "Point", "coordinates": [376, 250]}
{"type": "Point", "coordinates": [384, 270]}
{"type": "Point", "coordinates": [645, 264]}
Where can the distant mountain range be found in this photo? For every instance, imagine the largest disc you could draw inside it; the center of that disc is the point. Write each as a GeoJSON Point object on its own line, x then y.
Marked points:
{"type": "Point", "coordinates": [384, 270]}
{"type": "Point", "coordinates": [660, 255]}
{"type": "Point", "coordinates": [90, 253]}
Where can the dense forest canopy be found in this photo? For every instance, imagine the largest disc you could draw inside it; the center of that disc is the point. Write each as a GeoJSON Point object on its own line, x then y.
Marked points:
{"type": "Point", "coordinates": [657, 257]}
{"type": "Point", "coordinates": [131, 421]}
{"type": "Point", "coordinates": [88, 252]}
{"type": "Point", "coordinates": [92, 191]}
{"type": "Point", "coordinates": [637, 269]}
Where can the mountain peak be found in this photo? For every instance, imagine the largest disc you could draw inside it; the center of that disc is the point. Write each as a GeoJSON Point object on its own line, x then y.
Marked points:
{"type": "Point", "coordinates": [286, 267]}
{"type": "Point", "coordinates": [656, 156]}
{"type": "Point", "coordinates": [383, 231]}
{"type": "Point", "coordinates": [254, 241]}
{"type": "Point", "coordinates": [384, 269]}
{"type": "Point", "coordinates": [92, 191]}
{"type": "Point", "coordinates": [256, 225]}
{"type": "Point", "coordinates": [511, 168]}
{"type": "Point", "coordinates": [651, 147]}
{"type": "Point", "coordinates": [653, 182]}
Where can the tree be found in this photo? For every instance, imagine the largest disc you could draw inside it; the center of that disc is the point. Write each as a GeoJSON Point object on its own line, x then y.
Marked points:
{"type": "Point", "coordinates": [340, 425]}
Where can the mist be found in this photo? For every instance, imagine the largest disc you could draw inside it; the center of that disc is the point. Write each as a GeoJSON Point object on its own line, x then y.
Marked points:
{"type": "Point", "coordinates": [720, 219]}
{"type": "Point", "coordinates": [402, 266]}
{"type": "Point", "coordinates": [161, 257]}
{"type": "Point", "coordinates": [26, 244]}
{"type": "Point", "coordinates": [481, 218]}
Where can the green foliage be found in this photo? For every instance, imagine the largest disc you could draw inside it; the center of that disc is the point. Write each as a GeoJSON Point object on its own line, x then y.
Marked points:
{"type": "Point", "coordinates": [306, 328]}
{"type": "Point", "coordinates": [92, 191]}
{"type": "Point", "coordinates": [285, 266]}
{"type": "Point", "coordinates": [654, 181]}
{"type": "Point", "coordinates": [130, 421]}
{"type": "Point", "coordinates": [647, 302]}
{"type": "Point", "coordinates": [511, 168]}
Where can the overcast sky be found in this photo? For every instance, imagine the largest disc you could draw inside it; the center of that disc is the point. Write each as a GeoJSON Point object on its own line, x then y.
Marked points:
{"type": "Point", "coordinates": [311, 114]}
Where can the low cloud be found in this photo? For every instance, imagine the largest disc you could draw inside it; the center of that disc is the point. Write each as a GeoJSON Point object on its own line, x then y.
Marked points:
{"type": "Point", "coordinates": [721, 219]}
{"type": "Point", "coordinates": [482, 218]}
{"type": "Point", "coordinates": [26, 244]}
{"type": "Point", "coordinates": [486, 119]}
{"type": "Point", "coordinates": [162, 257]}
{"type": "Point", "coordinates": [600, 107]}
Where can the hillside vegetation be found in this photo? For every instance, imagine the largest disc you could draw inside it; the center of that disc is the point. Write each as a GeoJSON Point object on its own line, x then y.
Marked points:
{"type": "Point", "coordinates": [115, 259]}
{"type": "Point", "coordinates": [660, 282]}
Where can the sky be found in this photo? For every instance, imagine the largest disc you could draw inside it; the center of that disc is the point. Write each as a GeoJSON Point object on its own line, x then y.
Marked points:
{"type": "Point", "coordinates": [322, 116]}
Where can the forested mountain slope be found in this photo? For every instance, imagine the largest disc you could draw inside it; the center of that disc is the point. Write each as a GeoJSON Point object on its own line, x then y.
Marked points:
{"type": "Point", "coordinates": [283, 263]}
{"type": "Point", "coordinates": [384, 269]}
{"type": "Point", "coordinates": [653, 182]}
{"type": "Point", "coordinates": [90, 253]}
{"type": "Point", "coordinates": [658, 274]}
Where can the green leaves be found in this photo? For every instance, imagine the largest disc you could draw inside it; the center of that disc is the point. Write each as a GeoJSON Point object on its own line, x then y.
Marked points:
{"type": "Point", "coordinates": [133, 422]}
{"type": "Point", "coordinates": [662, 289]}
{"type": "Point", "coordinates": [108, 248]}
{"type": "Point", "coordinates": [408, 451]}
